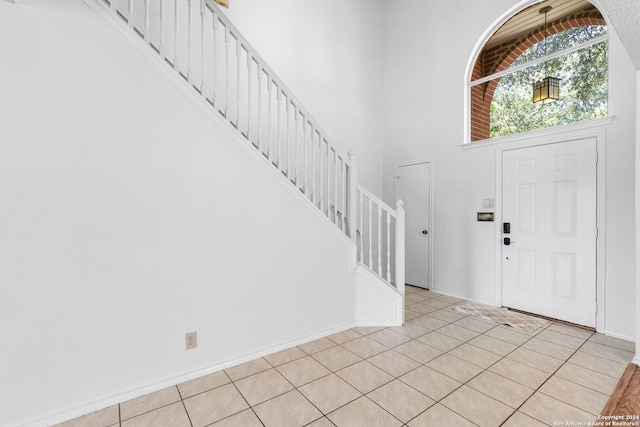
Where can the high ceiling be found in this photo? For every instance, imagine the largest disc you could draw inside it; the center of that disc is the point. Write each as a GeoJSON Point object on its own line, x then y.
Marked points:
{"type": "Point", "coordinates": [530, 18]}
{"type": "Point", "coordinates": [623, 15]}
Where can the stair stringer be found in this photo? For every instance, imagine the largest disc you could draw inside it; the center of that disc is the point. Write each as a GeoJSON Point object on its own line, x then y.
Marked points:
{"type": "Point", "coordinates": [377, 303]}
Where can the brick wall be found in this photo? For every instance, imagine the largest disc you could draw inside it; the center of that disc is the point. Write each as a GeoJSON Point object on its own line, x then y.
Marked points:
{"type": "Point", "coordinates": [500, 57]}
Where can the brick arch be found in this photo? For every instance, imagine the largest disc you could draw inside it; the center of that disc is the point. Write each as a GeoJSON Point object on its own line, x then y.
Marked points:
{"type": "Point", "coordinates": [500, 57]}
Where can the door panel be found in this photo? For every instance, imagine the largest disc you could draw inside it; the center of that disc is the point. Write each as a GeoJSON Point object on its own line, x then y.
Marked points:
{"type": "Point", "coordinates": [413, 187]}
{"type": "Point", "coordinates": [549, 197]}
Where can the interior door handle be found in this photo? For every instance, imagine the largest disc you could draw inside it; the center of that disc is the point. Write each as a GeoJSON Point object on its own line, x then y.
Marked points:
{"type": "Point", "coordinates": [425, 231]}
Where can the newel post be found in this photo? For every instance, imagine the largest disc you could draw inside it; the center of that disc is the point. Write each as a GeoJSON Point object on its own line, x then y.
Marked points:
{"type": "Point", "coordinates": [400, 224]}
{"type": "Point", "coordinates": [352, 197]}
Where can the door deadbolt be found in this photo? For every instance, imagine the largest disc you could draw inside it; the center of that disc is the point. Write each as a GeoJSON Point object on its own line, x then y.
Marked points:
{"type": "Point", "coordinates": [425, 231]}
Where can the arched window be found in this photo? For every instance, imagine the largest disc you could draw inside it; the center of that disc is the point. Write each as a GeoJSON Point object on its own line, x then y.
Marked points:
{"type": "Point", "coordinates": [569, 43]}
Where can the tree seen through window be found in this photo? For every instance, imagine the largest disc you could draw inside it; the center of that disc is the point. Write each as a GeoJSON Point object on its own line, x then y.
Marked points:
{"type": "Point", "coordinates": [583, 85]}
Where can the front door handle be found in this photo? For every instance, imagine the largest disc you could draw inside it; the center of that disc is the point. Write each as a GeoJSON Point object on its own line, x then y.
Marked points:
{"type": "Point", "coordinates": [508, 241]}
{"type": "Point", "coordinates": [425, 231]}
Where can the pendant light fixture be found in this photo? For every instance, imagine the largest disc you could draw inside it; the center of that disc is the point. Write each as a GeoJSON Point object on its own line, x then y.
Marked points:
{"type": "Point", "coordinates": [548, 89]}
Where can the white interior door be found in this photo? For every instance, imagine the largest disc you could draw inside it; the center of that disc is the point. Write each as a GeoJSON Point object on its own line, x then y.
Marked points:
{"type": "Point", "coordinates": [549, 200]}
{"type": "Point", "coordinates": [413, 186]}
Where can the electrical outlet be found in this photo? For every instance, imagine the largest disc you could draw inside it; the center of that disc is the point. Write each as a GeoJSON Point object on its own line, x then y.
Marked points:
{"type": "Point", "coordinates": [191, 340]}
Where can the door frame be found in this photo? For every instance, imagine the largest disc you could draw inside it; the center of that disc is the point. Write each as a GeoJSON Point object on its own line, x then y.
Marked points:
{"type": "Point", "coordinates": [430, 262]}
{"type": "Point", "coordinates": [554, 136]}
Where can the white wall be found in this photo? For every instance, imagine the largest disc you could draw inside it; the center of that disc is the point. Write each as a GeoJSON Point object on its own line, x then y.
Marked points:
{"type": "Point", "coordinates": [425, 61]}
{"type": "Point", "coordinates": [426, 57]}
{"type": "Point", "coordinates": [328, 53]}
{"type": "Point", "coordinates": [621, 147]}
{"type": "Point", "coordinates": [129, 218]}
{"type": "Point", "coordinates": [636, 359]}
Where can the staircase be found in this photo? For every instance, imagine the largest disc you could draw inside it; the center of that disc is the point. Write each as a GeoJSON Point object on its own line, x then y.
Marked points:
{"type": "Point", "coordinates": [195, 40]}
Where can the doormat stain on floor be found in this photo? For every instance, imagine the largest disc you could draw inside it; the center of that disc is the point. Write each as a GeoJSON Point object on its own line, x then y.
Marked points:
{"type": "Point", "coordinates": [504, 316]}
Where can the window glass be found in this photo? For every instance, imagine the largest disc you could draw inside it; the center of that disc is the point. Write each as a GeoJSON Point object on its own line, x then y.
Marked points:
{"type": "Point", "coordinates": [583, 93]}
{"type": "Point", "coordinates": [560, 41]}
{"type": "Point", "coordinates": [513, 62]}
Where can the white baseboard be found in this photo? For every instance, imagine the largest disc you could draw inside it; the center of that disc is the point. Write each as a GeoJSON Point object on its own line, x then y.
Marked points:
{"type": "Point", "coordinates": [114, 399]}
{"type": "Point", "coordinates": [621, 336]}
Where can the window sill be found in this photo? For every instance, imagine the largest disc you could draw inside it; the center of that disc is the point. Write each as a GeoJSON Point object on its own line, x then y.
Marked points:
{"type": "Point", "coordinates": [536, 134]}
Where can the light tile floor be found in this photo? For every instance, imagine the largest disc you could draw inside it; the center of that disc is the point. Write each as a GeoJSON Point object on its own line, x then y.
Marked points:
{"type": "Point", "coordinates": [441, 368]}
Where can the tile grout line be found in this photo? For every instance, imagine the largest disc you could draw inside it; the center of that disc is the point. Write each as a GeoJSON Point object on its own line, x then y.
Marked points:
{"type": "Point", "coordinates": [301, 393]}
{"type": "Point", "coordinates": [361, 393]}
{"type": "Point", "coordinates": [422, 364]}
{"type": "Point", "coordinates": [324, 415]}
{"type": "Point", "coordinates": [550, 376]}
{"type": "Point", "coordinates": [437, 402]}
{"type": "Point", "coordinates": [606, 347]}
{"type": "Point", "coordinates": [505, 356]}
{"type": "Point", "coordinates": [545, 381]}
{"type": "Point", "coordinates": [244, 398]}
{"type": "Point", "coordinates": [365, 395]}
{"type": "Point", "coordinates": [184, 405]}
{"type": "Point", "coordinates": [297, 388]}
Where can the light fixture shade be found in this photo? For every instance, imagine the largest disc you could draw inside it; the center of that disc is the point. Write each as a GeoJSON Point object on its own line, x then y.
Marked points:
{"type": "Point", "coordinates": [546, 90]}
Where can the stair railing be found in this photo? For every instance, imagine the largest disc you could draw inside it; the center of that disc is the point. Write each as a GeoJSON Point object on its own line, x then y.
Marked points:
{"type": "Point", "coordinates": [203, 47]}
{"type": "Point", "coordinates": [380, 237]}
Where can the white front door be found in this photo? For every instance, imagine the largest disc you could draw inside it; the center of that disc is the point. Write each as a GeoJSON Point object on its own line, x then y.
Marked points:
{"type": "Point", "coordinates": [414, 188]}
{"type": "Point", "coordinates": [549, 202]}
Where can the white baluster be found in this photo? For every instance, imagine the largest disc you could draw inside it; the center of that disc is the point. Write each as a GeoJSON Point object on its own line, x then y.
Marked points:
{"type": "Point", "coordinates": [288, 137]}
{"type": "Point", "coordinates": [335, 186]}
{"type": "Point", "coordinates": [329, 149]}
{"type": "Point", "coordinates": [269, 116]}
{"type": "Point", "coordinates": [379, 238]}
{"type": "Point", "coordinates": [295, 144]}
{"type": "Point", "coordinates": [313, 167]}
{"type": "Point", "coordinates": [202, 42]}
{"type": "Point", "coordinates": [175, 36]}
{"type": "Point", "coordinates": [214, 73]}
{"type": "Point", "coordinates": [161, 43]}
{"type": "Point", "coordinates": [188, 77]}
{"type": "Point", "coordinates": [361, 227]}
{"type": "Point", "coordinates": [130, 18]}
{"type": "Point", "coordinates": [279, 99]}
{"type": "Point", "coordinates": [388, 247]}
{"type": "Point", "coordinates": [344, 195]}
{"type": "Point", "coordinates": [320, 156]}
{"type": "Point", "coordinates": [400, 249]}
{"type": "Point", "coordinates": [304, 145]}
{"type": "Point", "coordinates": [227, 37]}
{"type": "Point", "coordinates": [370, 233]}
{"type": "Point", "coordinates": [258, 142]}
{"type": "Point", "coordinates": [249, 78]}
{"type": "Point", "coordinates": [352, 186]}
{"type": "Point", "coordinates": [147, 26]}
{"type": "Point", "coordinates": [238, 62]}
